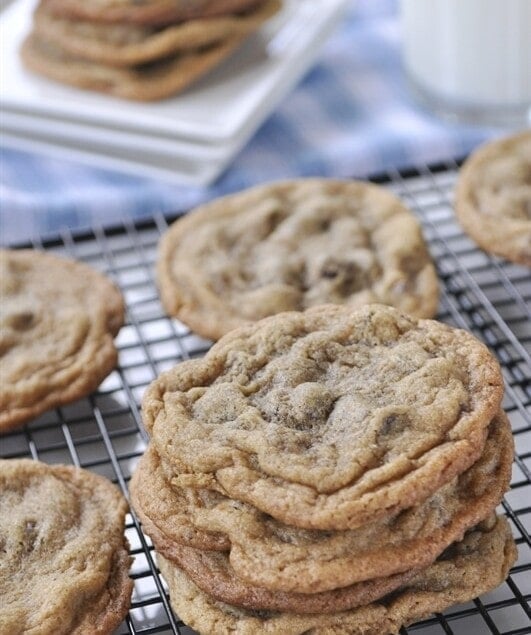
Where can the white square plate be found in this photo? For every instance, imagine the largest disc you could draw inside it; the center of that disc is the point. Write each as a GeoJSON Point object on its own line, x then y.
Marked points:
{"type": "Point", "coordinates": [228, 104]}
{"type": "Point", "coordinates": [175, 170]}
{"type": "Point", "coordinates": [86, 134]}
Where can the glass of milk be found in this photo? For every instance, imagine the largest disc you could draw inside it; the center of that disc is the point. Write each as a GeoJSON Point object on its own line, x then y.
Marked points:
{"type": "Point", "coordinates": [470, 59]}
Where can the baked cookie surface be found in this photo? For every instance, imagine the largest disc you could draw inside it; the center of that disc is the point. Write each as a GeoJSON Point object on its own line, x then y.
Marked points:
{"type": "Point", "coordinates": [166, 510]}
{"type": "Point", "coordinates": [160, 79]}
{"type": "Point", "coordinates": [212, 572]}
{"type": "Point", "coordinates": [476, 565]}
{"type": "Point", "coordinates": [58, 319]}
{"type": "Point", "coordinates": [292, 245]}
{"type": "Point", "coordinates": [269, 554]}
{"type": "Point", "coordinates": [154, 12]}
{"type": "Point", "coordinates": [493, 197]}
{"type": "Point", "coordinates": [129, 45]}
{"type": "Point", "coordinates": [63, 560]}
{"type": "Point", "coordinates": [330, 418]}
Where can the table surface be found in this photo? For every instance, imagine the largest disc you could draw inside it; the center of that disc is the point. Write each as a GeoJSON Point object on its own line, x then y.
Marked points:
{"type": "Point", "coordinates": [351, 115]}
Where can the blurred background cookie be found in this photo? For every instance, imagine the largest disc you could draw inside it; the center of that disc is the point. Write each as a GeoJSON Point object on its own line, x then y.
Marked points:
{"type": "Point", "coordinates": [493, 197]}
{"type": "Point", "coordinates": [138, 61]}
{"type": "Point", "coordinates": [133, 44]}
{"type": "Point", "coordinates": [155, 12]}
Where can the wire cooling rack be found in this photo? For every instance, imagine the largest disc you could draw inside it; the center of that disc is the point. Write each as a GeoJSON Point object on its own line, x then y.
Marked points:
{"type": "Point", "coordinates": [104, 433]}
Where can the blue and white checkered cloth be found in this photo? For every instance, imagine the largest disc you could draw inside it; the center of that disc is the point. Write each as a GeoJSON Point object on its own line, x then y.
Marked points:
{"type": "Point", "coordinates": [352, 115]}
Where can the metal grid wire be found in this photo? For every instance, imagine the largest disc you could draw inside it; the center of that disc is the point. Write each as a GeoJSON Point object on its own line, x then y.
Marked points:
{"type": "Point", "coordinates": [103, 432]}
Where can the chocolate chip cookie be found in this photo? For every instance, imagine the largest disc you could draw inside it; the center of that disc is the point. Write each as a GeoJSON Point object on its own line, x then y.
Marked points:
{"type": "Point", "coordinates": [290, 246]}
{"type": "Point", "coordinates": [154, 12]}
{"type": "Point", "coordinates": [476, 565]}
{"type": "Point", "coordinates": [145, 52]}
{"type": "Point", "coordinates": [212, 572]}
{"type": "Point", "coordinates": [268, 554]}
{"type": "Point", "coordinates": [63, 557]}
{"type": "Point", "coordinates": [58, 318]}
{"type": "Point", "coordinates": [493, 197]}
{"type": "Point", "coordinates": [131, 45]}
{"type": "Point", "coordinates": [329, 418]}
{"type": "Point", "coordinates": [149, 82]}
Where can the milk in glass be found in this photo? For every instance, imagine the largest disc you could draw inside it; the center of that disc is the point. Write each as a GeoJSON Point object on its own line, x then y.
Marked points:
{"type": "Point", "coordinates": [470, 58]}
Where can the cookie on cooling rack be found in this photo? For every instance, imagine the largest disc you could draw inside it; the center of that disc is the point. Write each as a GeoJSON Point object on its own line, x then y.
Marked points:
{"type": "Point", "coordinates": [58, 319]}
{"type": "Point", "coordinates": [64, 559]}
{"type": "Point", "coordinates": [146, 12]}
{"type": "Point", "coordinates": [129, 45]}
{"type": "Point", "coordinates": [212, 572]}
{"type": "Point", "coordinates": [269, 555]}
{"type": "Point", "coordinates": [493, 197]}
{"type": "Point", "coordinates": [292, 245]}
{"type": "Point", "coordinates": [466, 569]}
{"type": "Point", "coordinates": [329, 418]}
{"type": "Point", "coordinates": [166, 514]}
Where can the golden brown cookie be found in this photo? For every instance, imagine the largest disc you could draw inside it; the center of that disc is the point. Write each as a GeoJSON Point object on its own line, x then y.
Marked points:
{"type": "Point", "coordinates": [292, 245]}
{"type": "Point", "coordinates": [212, 573]}
{"type": "Point", "coordinates": [167, 510]}
{"type": "Point", "coordinates": [58, 318]}
{"type": "Point", "coordinates": [63, 559]}
{"type": "Point", "coordinates": [147, 82]}
{"type": "Point", "coordinates": [493, 197]}
{"type": "Point", "coordinates": [268, 554]}
{"type": "Point", "coordinates": [476, 565]}
{"type": "Point", "coordinates": [154, 12]}
{"type": "Point", "coordinates": [330, 418]}
{"type": "Point", "coordinates": [129, 45]}
{"type": "Point", "coordinates": [211, 570]}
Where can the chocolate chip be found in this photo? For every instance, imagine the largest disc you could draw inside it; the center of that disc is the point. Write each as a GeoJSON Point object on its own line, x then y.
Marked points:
{"type": "Point", "coordinates": [21, 321]}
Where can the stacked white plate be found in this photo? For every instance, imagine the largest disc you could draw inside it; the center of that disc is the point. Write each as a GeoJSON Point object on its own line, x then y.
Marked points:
{"type": "Point", "coordinates": [190, 138]}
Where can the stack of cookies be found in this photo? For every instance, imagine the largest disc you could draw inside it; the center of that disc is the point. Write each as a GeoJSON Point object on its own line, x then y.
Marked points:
{"type": "Point", "coordinates": [143, 50]}
{"type": "Point", "coordinates": [330, 471]}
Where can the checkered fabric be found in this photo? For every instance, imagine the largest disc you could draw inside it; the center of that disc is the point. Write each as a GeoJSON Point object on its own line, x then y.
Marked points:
{"type": "Point", "coordinates": [352, 115]}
